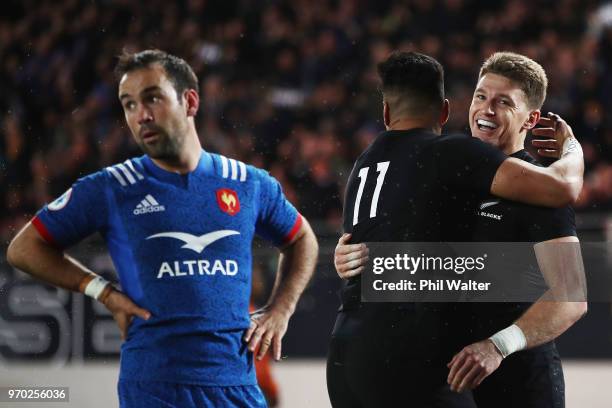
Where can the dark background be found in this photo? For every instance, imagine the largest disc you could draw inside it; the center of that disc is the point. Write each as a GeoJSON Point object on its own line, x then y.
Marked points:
{"type": "Point", "coordinates": [290, 86]}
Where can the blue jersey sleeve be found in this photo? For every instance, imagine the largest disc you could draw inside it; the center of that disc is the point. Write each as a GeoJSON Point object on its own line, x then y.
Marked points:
{"type": "Point", "coordinates": [79, 212]}
{"type": "Point", "coordinates": [277, 220]}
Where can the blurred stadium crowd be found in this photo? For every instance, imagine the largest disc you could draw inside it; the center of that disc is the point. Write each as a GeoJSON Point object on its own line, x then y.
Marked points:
{"type": "Point", "coordinates": [287, 85]}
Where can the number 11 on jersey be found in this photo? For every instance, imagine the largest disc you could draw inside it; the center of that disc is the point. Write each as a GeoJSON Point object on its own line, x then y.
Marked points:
{"type": "Point", "coordinates": [381, 168]}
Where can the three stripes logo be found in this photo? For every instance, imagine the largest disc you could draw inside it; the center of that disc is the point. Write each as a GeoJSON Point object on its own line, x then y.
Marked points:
{"type": "Point", "coordinates": [125, 173]}
{"type": "Point", "coordinates": [233, 169]}
{"type": "Point", "coordinates": [148, 205]}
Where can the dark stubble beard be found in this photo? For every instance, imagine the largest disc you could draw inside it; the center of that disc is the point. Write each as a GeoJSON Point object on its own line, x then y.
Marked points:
{"type": "Point", "coordinates": [167, 147]}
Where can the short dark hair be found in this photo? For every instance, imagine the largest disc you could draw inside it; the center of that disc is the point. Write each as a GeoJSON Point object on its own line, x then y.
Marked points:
{"type": "Point", "coordinates": [178, 71]}
{"type": "Point", "coordinates": [414, 81]}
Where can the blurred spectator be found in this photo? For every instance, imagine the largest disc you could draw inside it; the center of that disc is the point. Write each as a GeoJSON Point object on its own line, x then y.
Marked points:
{"type": "Point", "coordinates": [287, 85]}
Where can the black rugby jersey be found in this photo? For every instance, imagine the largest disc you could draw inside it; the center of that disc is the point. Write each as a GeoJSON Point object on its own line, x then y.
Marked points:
{"type": "Point", "coordinates": [501, 220]}
{"type": "Point", "coordinates": [416, 186]}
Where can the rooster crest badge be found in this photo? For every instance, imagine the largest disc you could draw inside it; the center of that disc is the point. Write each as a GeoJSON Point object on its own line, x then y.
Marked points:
{"type": "Point", "coordinates": [228, 201]}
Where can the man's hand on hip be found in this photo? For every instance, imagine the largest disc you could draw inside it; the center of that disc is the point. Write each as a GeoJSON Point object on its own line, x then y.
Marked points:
{"type": "Point", "coordinates": [268, 326]}
{"type": "Point", "coordinates": [124, 310]}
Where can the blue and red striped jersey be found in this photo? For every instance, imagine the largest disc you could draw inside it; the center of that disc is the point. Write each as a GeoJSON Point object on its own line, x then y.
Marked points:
{"type": "Point", "coordinates": [181, 245]}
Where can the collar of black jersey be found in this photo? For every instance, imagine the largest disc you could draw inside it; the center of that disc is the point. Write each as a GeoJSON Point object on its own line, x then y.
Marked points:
{"type": "Point", "coordinates": [407, 132]}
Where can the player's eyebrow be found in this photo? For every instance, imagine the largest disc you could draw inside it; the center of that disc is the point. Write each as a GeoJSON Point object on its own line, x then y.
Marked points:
{"type": "Point", "coordinates": [144, 91]}
{"type": "Point", "coordinates": [501, 95]}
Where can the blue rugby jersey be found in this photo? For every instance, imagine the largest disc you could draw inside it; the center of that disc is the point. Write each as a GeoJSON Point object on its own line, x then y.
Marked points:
{"type": "Point", "coordinates": [181, 245]}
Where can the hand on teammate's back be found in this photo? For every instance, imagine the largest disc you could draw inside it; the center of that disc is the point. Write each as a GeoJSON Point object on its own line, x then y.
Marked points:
{"type": "Point", "coordinates": [124, 310]}
{"type": "Point", "coordinates": [268, 326]}
{"type": "Point", "coordinates": [472, 365]}
{"type": "Point", "coordinates": [556, 131]}
{"type": "Point", "coordinates": [349, 259]}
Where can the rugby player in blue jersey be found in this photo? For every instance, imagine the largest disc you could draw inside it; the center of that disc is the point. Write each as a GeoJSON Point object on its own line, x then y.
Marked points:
{"type": "Point", "coordinates": [178, 223]}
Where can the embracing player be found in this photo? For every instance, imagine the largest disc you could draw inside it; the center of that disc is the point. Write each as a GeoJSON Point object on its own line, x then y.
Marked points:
{"type": "Point", "coordinates": [507, 100]}
{"type": "Point", "coordinates": [178, 223]}
{"type": "Point", "coordinates": [411, 184]}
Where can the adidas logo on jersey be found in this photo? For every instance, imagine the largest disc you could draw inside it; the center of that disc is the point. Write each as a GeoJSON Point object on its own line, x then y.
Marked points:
{"type": "Point", "coordinates": [148, 205]}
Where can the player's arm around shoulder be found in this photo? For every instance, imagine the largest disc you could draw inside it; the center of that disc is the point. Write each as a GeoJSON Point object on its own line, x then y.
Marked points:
{"type": "Point", "coordinates": [554, 186]}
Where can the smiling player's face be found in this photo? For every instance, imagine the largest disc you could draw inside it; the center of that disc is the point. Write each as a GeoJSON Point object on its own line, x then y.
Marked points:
{"type": "Point", "coordinates": [156, 118]}
{"type": "Point", "coordinates": [499, 114]}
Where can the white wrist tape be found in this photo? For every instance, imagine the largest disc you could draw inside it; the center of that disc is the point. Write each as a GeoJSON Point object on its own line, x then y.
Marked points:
{"type": "Point", "coordinates": [509, 340]}
{"type": "Point", "coordinates": [95, 288]}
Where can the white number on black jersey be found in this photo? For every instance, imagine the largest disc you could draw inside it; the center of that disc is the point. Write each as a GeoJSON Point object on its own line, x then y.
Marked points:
{"type": "Point", "coordinates": [363, 175]}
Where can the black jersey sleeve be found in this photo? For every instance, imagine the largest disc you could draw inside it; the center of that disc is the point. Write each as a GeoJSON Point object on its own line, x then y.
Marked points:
{"type": "Point", "coordinates": [467, 163]}
{"type": "Point", "coordinates": [543, 224]}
